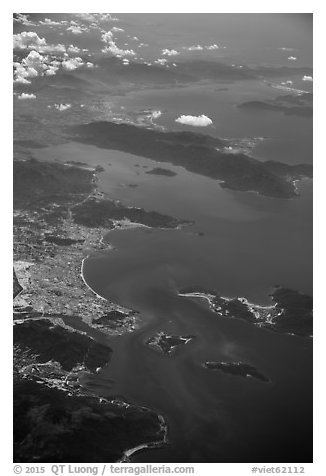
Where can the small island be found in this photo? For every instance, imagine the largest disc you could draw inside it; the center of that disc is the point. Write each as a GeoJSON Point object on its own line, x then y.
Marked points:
{"type": "Point", "coordinates": [237, 369]}
{"type": "Point", "coordinates": [161, 171]}
{"type": "Point", "coordinates": [166, 344]}
{"type": "Point", "coordinates": [289, 105]}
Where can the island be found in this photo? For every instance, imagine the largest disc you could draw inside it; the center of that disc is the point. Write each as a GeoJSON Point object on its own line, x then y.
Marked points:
{"type": "Point", "coordinates": [166, 344]}
{"type": "Point", "coordinates": [161, 171]}
{"type": "Point", "coordinates": [197, 153]}
{"type": "Point", "coordinates": [291, 312]}
{"type": "Point", "coordinates": [237, 369]}
{"type": "Point", "coordinates": [289, 105]}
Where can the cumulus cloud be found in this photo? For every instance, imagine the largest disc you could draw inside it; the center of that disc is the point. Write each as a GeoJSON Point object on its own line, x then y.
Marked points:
{"type": "Point", "coordinates": [26, 96]}
{"type": "Point", "coordinates": [62, 107]}
{"type": "Point", "coordinates": [116, 29]}
{"type": "Point", "coordinates": [59, 48]}
{"type": "Point", "coordinates": [195, 48]}
{"type": "Point", "coordinates": [195, 121]}
{"type": "Point", "coordinates": [89, 64]}
{"type": "Point", "coordinates": [33, 65]}
{"type": "Point", "coordinates": [23, 19]}
{"type": "Point", "coordinates": [96, 17]}
{"type": "Point", "coordinates": [72, 63]}
{"type": "Point", "coordinates": [51, 70]}
{"type": "Point", "coordinates": [28, 40]}
{"type": "Point", "coordinates": [49, 22]}
{"type": "Point", "coordinates": [107, 36]}
{"type": "Point", "coordinates": [292, 58]}
{"type": "Point", "coordinates": [161, 61]}
{"type": "Point", "coordinates": [75, 29]}
{"type": "Point", "coordinates": [168, 52]}
{"type": "Point", "coordinates": [307, 78]}
{"type": "Point", "coordinates": [34, 60]}
{"type": "Point", "coordinates": [116, 51]}
{"type": "Point", "coordinates": [156, 114]}
{"type": "Point", "coordinates": [286, 49]}
{"type": "Point", "coordinates": [212, 47]}
{"type": "Point", "coordinates": [73, 49]}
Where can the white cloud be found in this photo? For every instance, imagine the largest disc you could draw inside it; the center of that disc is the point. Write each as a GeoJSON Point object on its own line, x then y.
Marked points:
{"type": "Point", "coordinates": [287, 83]}
{"type": "Point", "coordinates": [156, 114]}
{"type": "Point", "coordinates": [212, 47]}
{"type": "Point", "coordinates": [73, 49]}
{"type": "Point", "coordinates": [76, 29]}
{"type": "Point", "coordinates": [33, 65]}
{"type": "Point", "coordinates": [116, 29]}
{"type": "Point", "coordinates": [116, 51]}
{"type": "Point", "coordinates": [292, 58]}
{"type": "Point", "coordinates": [195, 48]}
{"type": "Point", "coordinates": [28, 40]}
{"type": "Point", "coordinates": [286, 49]}
{"type": "Point", "coordinates": [72, 63]}
{"type": "Point", "coordinates": [34, 60]}
{"type": "Point", "coordinates": [96, 17]}
{"type": "Point", "coordinates": [30, 67]}
{"type": "Point", "coordinates": [59, 48]}
{"type": "Point", "coordinates": [31, 41]}
{"type": "Point", "coordinates": [125, 61]}
{"type": "Point", "coordinates": [107, 36]}
{"type": "Point", "coordinates": [49, 22]}
{"type": "Point", "coordinates": [23, 19]}
{"type": "Point", "coordinates": [51, 71]}
{"type": "Point", "coordinates": [89, 64]}
{"type": "Point", "coordinates": [26, 96]}
{"type": "Point", "coordinates": [21, 79]}
{"type": "Point", "coordinates": [195, 121]}
{"type": "Point", "coordinates": [307, 78]}
{"type": "Point", "coordinates": [168, 52]}
{"type": "Point", "coordinates": [161, 61]}
{"type": "Point", "coordinates": [62, 107]}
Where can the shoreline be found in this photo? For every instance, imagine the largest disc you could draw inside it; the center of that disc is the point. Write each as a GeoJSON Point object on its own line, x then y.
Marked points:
{"type": "Point", "coordinates": [147, 446]}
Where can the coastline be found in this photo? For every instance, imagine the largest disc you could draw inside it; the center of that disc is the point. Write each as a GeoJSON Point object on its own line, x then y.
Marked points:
{"type": "Point", "coordinates": [147, 446]}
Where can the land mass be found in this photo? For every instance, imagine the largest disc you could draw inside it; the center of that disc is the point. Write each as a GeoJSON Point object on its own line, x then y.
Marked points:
{"type": "Point", "coordinates": [290, 313]}
{"type": "Point", "coordinates": [60, 325]}
{"type": "Point", "coordinates": [236, 368]}
{"type": "Point", "coordinates": [52, 426]}
{"type": "Point", "coordinates": [165, 343]}
{"type": "Point", "coordinates": [290, 105]}
{"type": "Point", "coordinates": [198, 153]}
{"type": "Point", "coordinates": [161, 171]}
